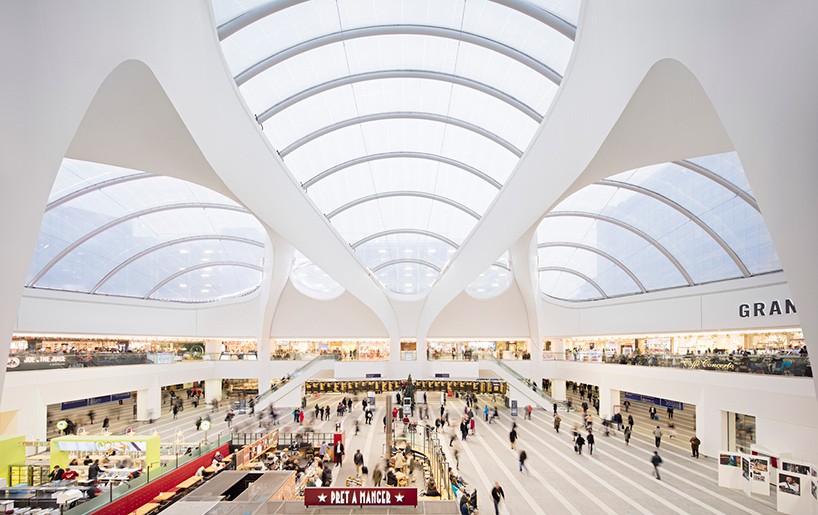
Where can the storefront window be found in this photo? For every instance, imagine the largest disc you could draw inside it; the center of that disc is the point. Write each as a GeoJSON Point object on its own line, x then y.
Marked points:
{"type": "Point", "coordinates": [465, 350]}
{"type": "Point", "coordinates": [352, 350]}
{"type": "Point", "coordinates": [745, 432]}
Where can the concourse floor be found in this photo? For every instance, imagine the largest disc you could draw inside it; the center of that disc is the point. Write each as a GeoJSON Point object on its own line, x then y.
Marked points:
{"type": "Point", "coordinates": [616, 479]}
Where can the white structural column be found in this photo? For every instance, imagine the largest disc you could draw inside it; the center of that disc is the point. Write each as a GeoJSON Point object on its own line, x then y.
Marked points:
{"type": "Point", "coordinates": [213, 389]}
{"type": "Point", "coordinates": [31, 419]}
{"type": "Point", "coordinates": [608, 398]}
{"type": "Point", "coordinates": [213, 347]}
{"type": "Point", "coordinates": [711, 427]}
{"type": "Point", "coordinates": [558, 389]}
{"type": "Point", "coordinates": [278, 261]}
{"type": "Point", "coordinates": [149, 402]}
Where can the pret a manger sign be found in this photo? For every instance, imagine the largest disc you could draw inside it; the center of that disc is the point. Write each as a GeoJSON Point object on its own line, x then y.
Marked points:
{"type": "Point", "coordinates": [360, 496]}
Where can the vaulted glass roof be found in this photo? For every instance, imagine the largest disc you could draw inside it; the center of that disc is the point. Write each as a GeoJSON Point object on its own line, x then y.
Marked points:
{"type": "Point", "coordinates": [656, 227]}
{"type": "Point", "coordinates": [114, 231]}
{"type": "Point", "coordinates": [402, 119]}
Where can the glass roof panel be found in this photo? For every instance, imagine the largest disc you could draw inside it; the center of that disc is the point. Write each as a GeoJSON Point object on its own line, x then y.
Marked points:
{"type": "Point", "coordinates": [567, 286]}
{"type": "Point", "coordinates": [697, 220]}
{"type": "Point", "coordinates": [407, 277]}
{"type": "Point", "coordinates": [505, 61]}
{"type": "Point", "coordinates": [404, 246]}
{"type": "Point", "coordinates": [224, 282]}
{"type": "Point", "coordinates": [313, 282]}
{"type": "Point", "coordinates": [490, 283]}
{"type": "Point", "coordinates": [100, 234]}
{"type": "Point", "coordinates": [402, 174]}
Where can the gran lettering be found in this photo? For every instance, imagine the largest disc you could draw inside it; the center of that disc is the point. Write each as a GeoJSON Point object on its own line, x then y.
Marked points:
{"type": "Point", "coordinates": [353, 497]}
{"type": "Point", "coordinates": [762, 309]}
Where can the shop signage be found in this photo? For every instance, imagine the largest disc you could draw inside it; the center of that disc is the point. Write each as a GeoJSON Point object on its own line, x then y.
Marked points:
{"type": "Point", "coordinates": [656, 401]}
{"type": "Point", "coordinates": [442, 374]}
{"type": "Point", "coordinates": [372, 376]}
{"type": "Point", "coordinates": [762, 309]}
{"type": "Point", "coordinates": [319, 496]}
{"type": "Point", "coordinates": [708, 364]}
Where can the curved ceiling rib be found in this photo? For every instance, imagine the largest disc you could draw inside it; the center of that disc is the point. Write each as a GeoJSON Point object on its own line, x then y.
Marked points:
{"type": "Point", "coordinates": [600, 253]}
{"type": "Point", "coordinates": [693, 167]}
{"type": "Point", "coordinates": [419, 232]}
{"type": "Point", "coordinates": [170, 243]}
{"type": "Point", "coordinates": [576, 273]}
{"type": "Point", "coordinates": [199, 266]}
{"type": "Point", "coordinates": [645, 236]}
{"type": "Point", "coordinates": [400, 74]}
{"type": "Point", "coordinates": [227, 29]}
{"type": "Point", "coordinates": [94, 187]}
{"type": "Point", "coordinates": [387, 30]}
{"type": "Point", "coordinates": [395, 155]}
{"type": "Point", "coordinates": [405, 115]}
{"type": "Point", "coordinates": [391, 194]}
{"type": "Point", "coordinates": [685, 212]}
{"type": "Point", "coordinates": [130, 216]}
{"type": "Point", "coordinates": [416, 261]}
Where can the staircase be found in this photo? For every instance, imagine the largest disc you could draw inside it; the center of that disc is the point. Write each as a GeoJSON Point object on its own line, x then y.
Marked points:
{"type": "Point", "coordinates": [287, 388]}
{"type": "Point", "coordinates": [530, 391]}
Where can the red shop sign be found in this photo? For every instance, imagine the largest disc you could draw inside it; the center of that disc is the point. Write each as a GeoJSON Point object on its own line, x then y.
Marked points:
{"type": "Point", "coordinates": [360, 496]}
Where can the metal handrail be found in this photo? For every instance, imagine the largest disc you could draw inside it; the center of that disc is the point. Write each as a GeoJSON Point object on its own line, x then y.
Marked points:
{"type": "Point", "coordinates": [516, 375]}
{"type": "Point", "coordinates": [295, 373]}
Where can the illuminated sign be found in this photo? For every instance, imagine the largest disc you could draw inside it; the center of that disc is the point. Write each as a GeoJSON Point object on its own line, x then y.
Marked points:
{"type": "Point", "coordinates": [315, 496]}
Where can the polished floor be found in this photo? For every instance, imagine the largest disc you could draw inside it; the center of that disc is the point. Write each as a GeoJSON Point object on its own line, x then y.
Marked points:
{"type": "Point", "coordinates": [616, 479]}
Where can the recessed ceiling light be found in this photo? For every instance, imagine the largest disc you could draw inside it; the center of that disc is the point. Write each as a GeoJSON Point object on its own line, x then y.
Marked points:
{"type": "Point", "coordinates": [208, 251]}
{"type": "Point", "coordinates": [205, 275]}
{"type": "Point", "coordinates": [451, 251]}
{"type": "Point", "coordinates": [183, 251]}
{"type": "Point", "coordinates": [408, 251]}
{"type": "Point", "coordinates": [205, 260]}
{"type": "Point", "coordinates": [495, 285]}
{"type": "Point", "coordinates": [481, 290]}
{"type": "Point", "coordinates": [382, 251]}
{"type": "Point", "coordinates": [431, 251]}
{"type": "Point", "coordinates": [205, 290]}
{"type": "Point", "coordinates": [183, 285]}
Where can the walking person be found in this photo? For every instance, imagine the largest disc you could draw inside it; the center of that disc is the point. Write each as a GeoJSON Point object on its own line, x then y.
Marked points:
{"type": "Point", "coordinates": [523, 457]}
{"type": "Point", "coordinates": [670, 413]}
{"type": "Point", "coordinates": [657, 434]}
{"type": "Point", "coordinates": [106, 423]}
{"type": "Point", "coordinates": [694, 446]}
{"type": "Point", "coordinates": [339, 454]}
{"type": "Point", "coordinates": [555, 409]}
{"type": "Point", "coordinates": [578, 443]}
{"type": "Point", "coordinates": [630, 422]}
{"type": "Point", "coordinates": [590, 440]}
{"type": "Point", "coordinates": [198, 423]}
{"type": "Point", "coordinates": [627, 435]}
{"type": "Point", "coordinates": [512, 437]}
{"type": "Point", "coordinates": [656, 460]}
{"type": "Point", "coordinates": [497, 495]}
{"type": "Point", "coordinates": [377, 475]}
{"type": "Point", "coordinates": [557, 421]}
{"type": "Point", "coordinates": [358, 460]}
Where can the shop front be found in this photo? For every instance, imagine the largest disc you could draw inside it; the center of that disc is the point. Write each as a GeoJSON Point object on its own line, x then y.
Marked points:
{"type": "Point", "coordinates": [350, 350]}
{"type": "Point", "coordinates": [468, 350]}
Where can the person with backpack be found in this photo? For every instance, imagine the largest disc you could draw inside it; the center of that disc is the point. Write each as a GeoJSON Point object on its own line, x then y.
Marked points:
{"type": "Point", "coordinates": [656, 460]}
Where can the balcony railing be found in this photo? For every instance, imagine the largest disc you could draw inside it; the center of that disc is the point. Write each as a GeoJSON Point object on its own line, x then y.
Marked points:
{"type": "Point", "coordinates": [769, 364]}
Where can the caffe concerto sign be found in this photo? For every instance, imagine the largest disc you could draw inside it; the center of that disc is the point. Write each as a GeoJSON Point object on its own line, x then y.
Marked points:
{"type": "Point", "coordinates": [358, 496]}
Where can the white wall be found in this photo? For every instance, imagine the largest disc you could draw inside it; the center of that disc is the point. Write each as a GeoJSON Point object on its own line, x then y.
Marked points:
{"type": "Point", "coordinates": [703, 308]}
{"type": "Point", "coordinates": [501, 317]}
{"type": "Point", "coordinates": [73, 313]}
{"type": "Point", "coordinates": [298, 316]}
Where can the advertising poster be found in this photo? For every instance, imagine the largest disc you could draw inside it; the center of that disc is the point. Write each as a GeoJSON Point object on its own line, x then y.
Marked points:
{"type": "Point", "coordinates": [795, 468]}
{"type": "Point", "coordinates": [745, 476]}
{"type": "Point", "coordinates": [760, 475]}
{"type": "Point", "coordinates": [789, 484]}
{"type": "Point", "coordinates": [730, 470]}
